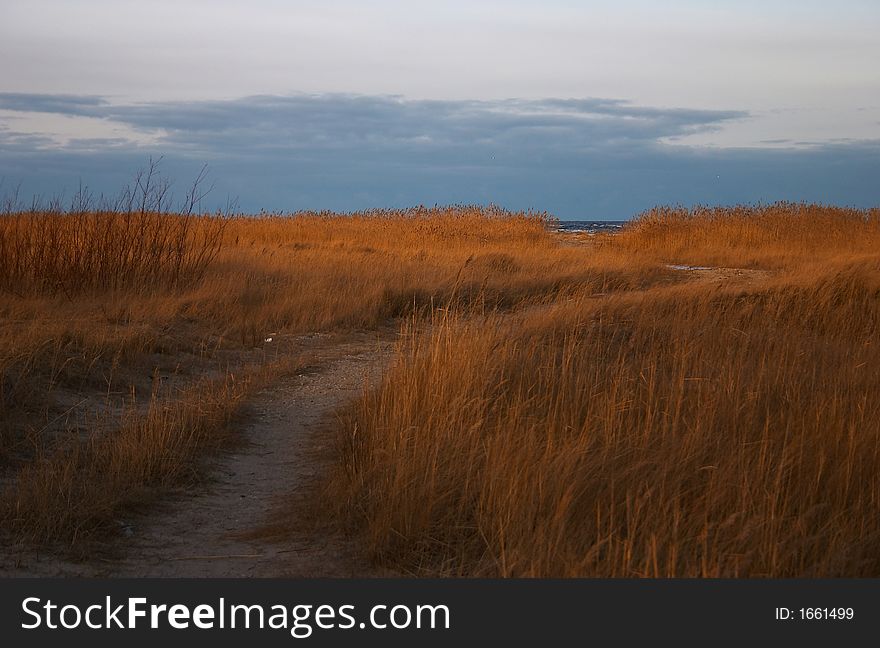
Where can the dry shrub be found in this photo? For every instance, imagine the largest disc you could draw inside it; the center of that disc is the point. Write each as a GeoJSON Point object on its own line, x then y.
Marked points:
{"type": "Point", "coordinates": [101, 251]}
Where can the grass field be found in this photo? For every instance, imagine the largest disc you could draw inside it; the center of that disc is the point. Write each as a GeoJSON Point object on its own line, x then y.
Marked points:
{"type": "Point", "coordinates": [557, 406]}
{"type": "Point", "coordinates": [720, 427]}
{"type": "Point", "coordinates": [129, 325]}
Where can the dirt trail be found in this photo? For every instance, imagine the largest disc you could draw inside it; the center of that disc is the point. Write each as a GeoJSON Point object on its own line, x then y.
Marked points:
{"type": "Point", "coordinates": [203, 532]}
{"type": "Point", "coordinates": [201, 535]}
{"type": "Point", "coordinates": [718, 273]}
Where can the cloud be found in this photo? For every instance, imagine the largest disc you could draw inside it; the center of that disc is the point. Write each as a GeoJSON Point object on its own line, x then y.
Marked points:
{"type": "Point", "coordinates": [18, 142]}
{"type": "Point", "coordinates": [588, 158]}
{"type": "Point", "coordinates": [63, 104]}
{"type": "Point", "coordinates": [382, 123]}
{"type": "Point", "coordinates": [334, 121]}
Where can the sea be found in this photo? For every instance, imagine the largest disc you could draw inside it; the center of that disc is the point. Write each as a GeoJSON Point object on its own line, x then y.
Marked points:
{"type": "Point", "coordinates": [590, 226]}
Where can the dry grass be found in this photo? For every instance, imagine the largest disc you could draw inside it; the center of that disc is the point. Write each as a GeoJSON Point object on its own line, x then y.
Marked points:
{"type": "Point", "coordinates": [771, 236]}
{"type": "Point", "coordinates": [552, 409]}
{"type": "Point", "coordinates": [701, 429]}
{"type": "Point", "coordinates": [96, 309]}
{"type": "Point", "coordinates": [102, 251]}
{"type": "Point", "coordinates": [82, 486]}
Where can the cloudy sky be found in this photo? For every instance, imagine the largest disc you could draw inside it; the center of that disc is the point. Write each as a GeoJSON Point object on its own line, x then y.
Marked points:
{"type": "Point", "coordinates": [584, 109]}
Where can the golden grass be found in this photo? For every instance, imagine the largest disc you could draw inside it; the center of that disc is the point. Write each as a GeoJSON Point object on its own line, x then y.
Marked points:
{"type": "Point", "coordinates": [553, 409]}
{"type": "Point", "coordinates": [95, 307]}
{"type": "Point", "coordinates": [768, 236]}
{"type": "Point", "coordinates": [83, 485]}
{"type": "Point", "coordinates": [100, 251]}
{"type": "Point", "coordinates": [702, 429]}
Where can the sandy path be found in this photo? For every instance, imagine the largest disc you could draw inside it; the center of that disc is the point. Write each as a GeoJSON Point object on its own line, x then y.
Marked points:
{"type": "Point", "coordinates": [201, 535]}
{"type": "Point", "coordinates": [203, 532]}
{"type": "Point", "coordinates": [718, 273]}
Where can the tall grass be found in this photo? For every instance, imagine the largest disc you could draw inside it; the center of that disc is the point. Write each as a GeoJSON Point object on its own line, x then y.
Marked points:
{"type": "Point", "coordinates": [96, 306]}
{"type": "Point", "coordinates": [86, 295]}
{"type": "Point", "coordinates": [774, 235]}
{"type": "Point", "coordinates": [702, 429]}
{"type": "Point", "coordinates": [553, 410]}
{"type": "Point", "coordinates": [100, 251]}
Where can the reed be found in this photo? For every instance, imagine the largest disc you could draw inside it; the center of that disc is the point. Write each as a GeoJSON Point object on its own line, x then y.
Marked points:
{"type": "Point", "coordinates": [693, 429]}
{"type": "Point", "coordinates": [96, 307]}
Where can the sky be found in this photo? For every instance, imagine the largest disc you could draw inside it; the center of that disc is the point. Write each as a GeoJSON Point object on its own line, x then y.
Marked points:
{"type": "Point", "coordinates": [588, 110]}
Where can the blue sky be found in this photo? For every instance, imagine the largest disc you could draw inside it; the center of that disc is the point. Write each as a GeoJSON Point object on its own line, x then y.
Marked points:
{"type": "Point", "coordinates": [585, 109]}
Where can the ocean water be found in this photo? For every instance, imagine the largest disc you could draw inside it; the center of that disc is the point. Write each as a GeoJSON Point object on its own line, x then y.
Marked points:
{"type": "Point", "coordinates": [590, 226]}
